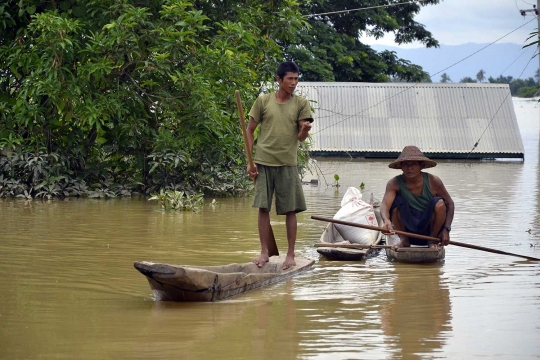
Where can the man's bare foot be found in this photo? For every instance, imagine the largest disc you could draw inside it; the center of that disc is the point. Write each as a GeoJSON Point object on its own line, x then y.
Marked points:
{"type": "Point", "coordinates": [403, 242]}
{"type": "Point", "coordinates": [289, 262]}
{"type": "Point", "coordinates": [261, 260]}
{"type": "Point", "coordinates": [434, 245]}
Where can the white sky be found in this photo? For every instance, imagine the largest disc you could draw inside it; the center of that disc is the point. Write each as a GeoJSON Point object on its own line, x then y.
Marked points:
{"type": "Point", "coordinates": [454, 22]}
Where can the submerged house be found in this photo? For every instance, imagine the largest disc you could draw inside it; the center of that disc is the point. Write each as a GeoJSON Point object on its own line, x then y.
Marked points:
{"type": "Point", "coordinates": [377, 120]}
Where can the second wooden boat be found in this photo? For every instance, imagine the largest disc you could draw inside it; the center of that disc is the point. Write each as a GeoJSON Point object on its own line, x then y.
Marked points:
{"type": "Point", "coordinates": [330, 235]}
{"type": "Point", "coordinates": [212, 283]}
{"type": "Point", "coordinates": [415, 254]}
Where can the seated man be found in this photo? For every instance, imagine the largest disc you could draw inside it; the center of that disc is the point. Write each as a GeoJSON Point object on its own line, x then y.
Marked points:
{"type": "Point", "coordinates": [416, 201]}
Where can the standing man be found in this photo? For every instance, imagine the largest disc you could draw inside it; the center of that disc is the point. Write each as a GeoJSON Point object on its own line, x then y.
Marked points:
{"type": "Point", "coordinates": [285, 119]}
{"type": "Point", "coordinates": [416, 201]}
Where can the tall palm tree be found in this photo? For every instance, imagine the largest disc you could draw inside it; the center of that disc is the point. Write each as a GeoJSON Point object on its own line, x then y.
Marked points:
{"type": "Point", "coordinates": [445, 78]}
{"type": "Point", "coordinates": [481, 76]}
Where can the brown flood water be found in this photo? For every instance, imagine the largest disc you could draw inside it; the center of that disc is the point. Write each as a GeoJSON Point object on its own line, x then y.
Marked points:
{"type": "Point", "coordinates": [68, 288]}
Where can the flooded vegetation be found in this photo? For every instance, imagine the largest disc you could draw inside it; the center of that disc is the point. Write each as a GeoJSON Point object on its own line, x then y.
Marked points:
{"type": "Point", "coordinates": [69, 288]}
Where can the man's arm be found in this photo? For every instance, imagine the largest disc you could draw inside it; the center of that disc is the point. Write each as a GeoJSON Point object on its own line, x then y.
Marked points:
{"type": "Point", "coordinates": [438, 189]}
{"type": "Point", "coordinates": [303, 129]}
{"type": "Point", "coordinates": [250, 133]}
{"type": "Point", "coordinates": [386, 203]}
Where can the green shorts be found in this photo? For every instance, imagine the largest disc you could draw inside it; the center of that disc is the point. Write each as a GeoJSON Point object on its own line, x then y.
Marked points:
{"type": "Point", "coordinates": [285, 182]}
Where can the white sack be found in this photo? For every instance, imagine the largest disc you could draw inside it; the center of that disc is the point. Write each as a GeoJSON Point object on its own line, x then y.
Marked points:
{"type": "Point", "coordinates": [354, 209]}
{"type": "Point", "coordinates": [392, 239]}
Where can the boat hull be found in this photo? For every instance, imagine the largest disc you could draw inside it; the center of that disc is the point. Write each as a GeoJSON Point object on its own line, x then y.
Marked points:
{"type": "Point", "coordinates": [214, 283]}
{"type": "Point", "coordinates": [344, 254]}
{"type": "Point", "coordinates": [416, 254]}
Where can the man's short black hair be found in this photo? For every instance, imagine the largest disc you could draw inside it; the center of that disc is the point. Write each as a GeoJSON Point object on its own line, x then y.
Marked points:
{"type": "Point", "coordinates": [285, 67]}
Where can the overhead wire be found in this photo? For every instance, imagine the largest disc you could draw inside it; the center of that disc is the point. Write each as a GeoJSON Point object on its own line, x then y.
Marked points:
{"type": "Point", "coordinates": [488, 45]}
{"type": "Point", "coordinates": [366, 8]}
{"type": "Point", "coordinates": [417, 83]}
{"type": "Point", "coordinates": [520, 55]}
{"type": "Point", "coordinates": [496, 112]}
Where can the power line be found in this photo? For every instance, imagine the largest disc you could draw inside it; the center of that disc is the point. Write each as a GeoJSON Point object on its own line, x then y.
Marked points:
{"type": "Point", "coordinates": [496, 112]}
{"type": "Point", "coordinates": [524, 2]}
{"type": "Point", "coordinates": [412, 86]}
{"type": "Point", "coordinates": [488, 45]}
{"type": "Point", "coordinates": [366, 8]}
{"type": "Point", "coordinates": [520, 55]}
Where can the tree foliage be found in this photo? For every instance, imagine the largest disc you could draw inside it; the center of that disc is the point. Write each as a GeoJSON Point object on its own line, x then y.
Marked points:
{"type": "Point", "coordinates": [445, 78]}
{"type": "Point", "coordinates": [136, 91]}
{"type": "Point", "coordinates": [518, 87]}
{"type": "Point", "coordinates": [481, 76]}
{"type": "Point", "coordinates": [530, 90]}
{"type": "Point", "coordinates": [107, 97]}
{"type": "Point", "coordinates": [467, 79]}
{"type": "Point", "coordinates": [330, 50]}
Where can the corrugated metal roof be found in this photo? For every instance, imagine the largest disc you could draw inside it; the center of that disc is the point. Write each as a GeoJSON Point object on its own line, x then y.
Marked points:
{"type": "Point", "coordinates": [444, 120]}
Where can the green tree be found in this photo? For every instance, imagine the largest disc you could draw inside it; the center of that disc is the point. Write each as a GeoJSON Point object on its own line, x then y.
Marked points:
{"type": "Point", "coordinates": [528, 91]}
{"type": "Point", "coordinates": [533, 38]}
{"type": "Point", "coordinates": [467, 79]}
{"type": "Point", "coordinates": [137, 92]}
{"type": "Point", "coordinates": [481, 76]}
{"type": "Point", "coordinates": [501, 80]}
{"type": "Point", "coordinates": [445, 78]}
{"type": "Point", "coordinates": [330, 50]}
{"type": "Point", "coordinates": [517, 84]}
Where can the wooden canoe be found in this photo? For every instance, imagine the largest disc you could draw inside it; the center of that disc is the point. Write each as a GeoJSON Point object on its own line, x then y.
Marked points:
{"type": "Point", "coordinates": [330, 235]}
{"type": "Point", "coordinates": [415, 254]}
{"type": "Point", "coordinates": [213, 283]}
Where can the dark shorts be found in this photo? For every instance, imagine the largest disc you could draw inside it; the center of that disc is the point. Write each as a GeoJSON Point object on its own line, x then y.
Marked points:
{"type": "Point", "coordinates": [415, 221]}
{"type": "Point", "coordinates": [285, 182]}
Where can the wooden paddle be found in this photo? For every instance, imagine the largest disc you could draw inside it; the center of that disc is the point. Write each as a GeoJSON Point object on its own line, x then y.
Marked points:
{"type": "Point", "coordinates": [423, 237]}
{"type": "Point", "coordinates": [244, 131]}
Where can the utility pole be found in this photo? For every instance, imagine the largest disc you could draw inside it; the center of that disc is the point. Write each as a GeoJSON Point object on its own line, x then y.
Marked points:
{"type": "Point", "coordinates": [536, 12]}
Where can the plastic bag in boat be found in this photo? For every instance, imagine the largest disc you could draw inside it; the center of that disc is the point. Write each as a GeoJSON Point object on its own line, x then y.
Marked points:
{"type": "Point", "coordinates": [354, 209]}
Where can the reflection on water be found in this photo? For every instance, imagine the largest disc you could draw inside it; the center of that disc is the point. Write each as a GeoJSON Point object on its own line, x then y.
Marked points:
{"type": "Point", "coordinates": [416, 315]}
{"type": "Point", "coordinates": [69, 289]}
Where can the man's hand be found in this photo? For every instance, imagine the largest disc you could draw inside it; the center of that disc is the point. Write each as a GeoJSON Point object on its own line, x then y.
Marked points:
{"type": "Point", "coordinates": [444, 235]}
{"type": "Point", "coordinates": [389, 228]}
{"type": "Point", "coordinates": [305, 125]}
{"type": "Point", "coordinates": [252, 171]}
{"type": "Point", "coordinates": [303, 129]}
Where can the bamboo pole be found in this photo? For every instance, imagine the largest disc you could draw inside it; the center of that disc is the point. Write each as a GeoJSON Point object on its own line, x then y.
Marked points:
{"type": "Point", "coordinates": [423, 237]}
{"type": "Point", "coordinates": [244, 131]}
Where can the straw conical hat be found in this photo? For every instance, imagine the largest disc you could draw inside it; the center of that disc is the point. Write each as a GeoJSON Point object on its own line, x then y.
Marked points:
{"type": "Point", "coordinates": [411, 153]}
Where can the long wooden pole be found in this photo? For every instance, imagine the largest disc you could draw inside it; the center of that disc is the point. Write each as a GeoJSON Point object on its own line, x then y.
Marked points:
{"type": "Point", "coordinates": [423, 237]}
{"type": "Point", "coordinates": [244, 131]}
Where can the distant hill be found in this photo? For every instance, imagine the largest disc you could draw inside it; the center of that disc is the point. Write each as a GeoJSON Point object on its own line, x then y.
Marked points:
{"type": "Point", "coordinates": [507, 59]}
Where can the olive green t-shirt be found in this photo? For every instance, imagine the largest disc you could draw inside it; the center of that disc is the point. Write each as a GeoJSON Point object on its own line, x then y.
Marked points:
{"type": "Point", "coordinates": [277, 143]}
